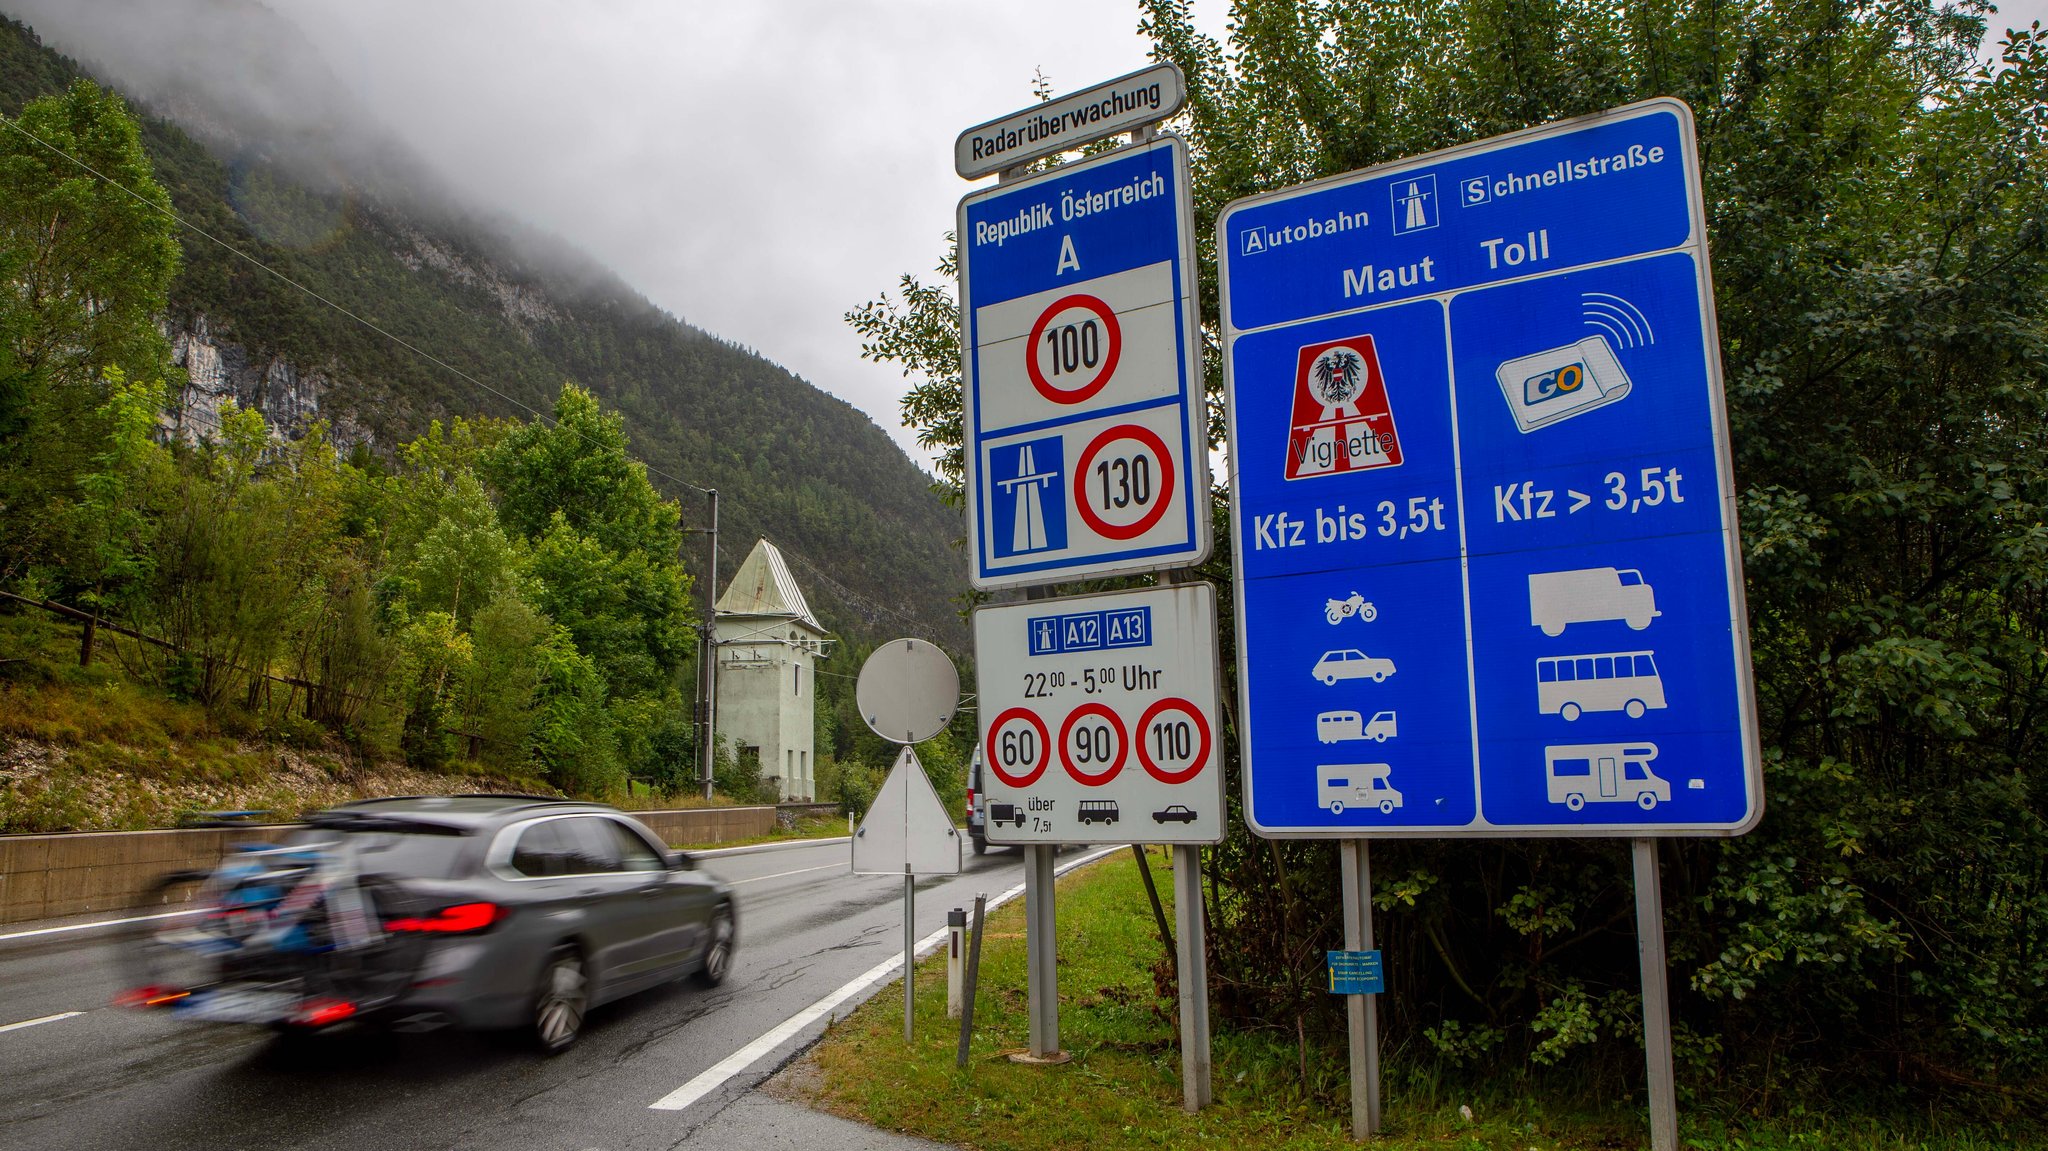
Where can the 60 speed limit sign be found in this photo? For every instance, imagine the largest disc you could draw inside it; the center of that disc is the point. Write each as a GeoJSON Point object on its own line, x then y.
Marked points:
{"type": "Point", "coordinates": [1087, 445]}
{"type": "Point", "coordinates": [1099, 718]}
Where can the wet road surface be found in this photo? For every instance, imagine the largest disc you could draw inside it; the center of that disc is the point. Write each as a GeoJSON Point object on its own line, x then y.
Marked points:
{"type": "Point", "coordinates": [116, 1078]}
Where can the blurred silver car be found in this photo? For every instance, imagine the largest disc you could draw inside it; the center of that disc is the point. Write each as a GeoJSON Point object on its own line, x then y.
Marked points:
{"type": "Point", "coordinates": [481, 911]}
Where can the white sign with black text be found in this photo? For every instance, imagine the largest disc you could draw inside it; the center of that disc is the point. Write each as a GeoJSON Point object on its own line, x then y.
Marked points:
{"type": "Point", "coordinates": [1099, 719]}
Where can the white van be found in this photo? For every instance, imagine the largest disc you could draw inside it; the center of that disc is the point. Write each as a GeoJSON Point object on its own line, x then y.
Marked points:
{"type": "Point", "coordinates": [1358, 785]}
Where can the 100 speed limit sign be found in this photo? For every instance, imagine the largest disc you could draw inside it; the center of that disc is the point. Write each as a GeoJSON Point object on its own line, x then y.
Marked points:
{"type": "Point", "coordinates": [1099, 718]}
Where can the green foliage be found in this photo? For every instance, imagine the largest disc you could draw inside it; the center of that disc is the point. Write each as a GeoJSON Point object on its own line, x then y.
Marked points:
{"type": "Point", "coordinates": [87, 268]}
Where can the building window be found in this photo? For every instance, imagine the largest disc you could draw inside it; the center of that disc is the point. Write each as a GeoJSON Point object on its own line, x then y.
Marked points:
{"type": "Point", "coordinates": [796, 678]}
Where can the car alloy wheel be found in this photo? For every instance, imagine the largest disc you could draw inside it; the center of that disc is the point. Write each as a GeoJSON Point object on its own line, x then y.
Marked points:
{"type": "Point", "coordinates": [718, 952]}
{"type": "Point", "coordinates": [560, 1001]}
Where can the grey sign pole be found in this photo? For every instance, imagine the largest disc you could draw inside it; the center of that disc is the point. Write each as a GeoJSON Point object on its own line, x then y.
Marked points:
{"type": "Point", "coordinates": [1042, 981]}
{"type": "Point", "coordinates": [1364, 1012]}
{"type": "Point", "coordinates": [1192, 976]}
{"type": "Point", "coordinates": [1656, 996]}
{"type": "Point", "coordinates": [909, 946]}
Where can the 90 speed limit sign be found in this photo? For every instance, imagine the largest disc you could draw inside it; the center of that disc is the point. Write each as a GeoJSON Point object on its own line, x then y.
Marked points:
{"type": "Point", "coordinates": [1099, 718]}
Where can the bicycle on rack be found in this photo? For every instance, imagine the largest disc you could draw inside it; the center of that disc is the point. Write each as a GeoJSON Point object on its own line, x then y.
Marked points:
{"type": "Point", "coordinates": [295, 935]}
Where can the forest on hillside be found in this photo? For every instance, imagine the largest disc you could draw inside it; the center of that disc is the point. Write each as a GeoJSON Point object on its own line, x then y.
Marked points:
{"type": "Point", "coordinates": [870, 539]}
{"type": "Point", "coordinates": [495, 596]}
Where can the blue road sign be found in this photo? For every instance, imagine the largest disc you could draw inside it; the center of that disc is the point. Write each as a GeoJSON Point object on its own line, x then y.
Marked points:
{"type": "Point", "coordinates": [1355, 972]}
{"type": "Point", "coordinates": [1488, 574]}
{"type": "Point", "coordinates": [1087, 447]}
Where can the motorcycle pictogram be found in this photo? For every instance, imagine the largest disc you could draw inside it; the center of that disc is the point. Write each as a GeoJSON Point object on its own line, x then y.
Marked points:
{"type": "Point", "coordinates": [1339, 610]}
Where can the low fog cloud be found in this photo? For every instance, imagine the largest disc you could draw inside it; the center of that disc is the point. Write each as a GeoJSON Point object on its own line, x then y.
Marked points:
{"type": "Point", "coordinates": [757, 169]}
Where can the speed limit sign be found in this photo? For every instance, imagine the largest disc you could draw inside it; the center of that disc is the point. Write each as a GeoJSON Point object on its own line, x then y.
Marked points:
{"type": "Point", "coordinates": [1086, 428]}
{"type": "Point", "coordinates": [1099, 718]}
{"type": "Point", "coordinates": [1074, 349]}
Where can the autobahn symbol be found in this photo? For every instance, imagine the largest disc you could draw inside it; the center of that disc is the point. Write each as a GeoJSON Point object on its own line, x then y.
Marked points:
{"type": "Point", "coordinates": [1031, 511]}
{"type": "Point", "coordinates": [1073, 349]}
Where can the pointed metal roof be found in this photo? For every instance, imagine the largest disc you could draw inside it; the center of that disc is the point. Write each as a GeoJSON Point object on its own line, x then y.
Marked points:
{"type": "Point", "coordinates": [763, 586]}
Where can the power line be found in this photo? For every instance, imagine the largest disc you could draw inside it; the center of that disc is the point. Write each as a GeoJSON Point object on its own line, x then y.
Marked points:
{"type": "Point", "coordinates": [371, 325]}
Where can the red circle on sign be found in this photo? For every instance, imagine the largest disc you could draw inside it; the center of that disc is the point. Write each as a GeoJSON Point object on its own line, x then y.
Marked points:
{"type": "Point", "coordinates": [1173, 703]}
{"type": "Point", "coordinates": [995, 762]}
{"type": "Point", "coordinates": [1112, 335]}
{"type": "Point", "coordinates": [1123, 745]}
{"type": "Point", "coordinates": [1142, 524]}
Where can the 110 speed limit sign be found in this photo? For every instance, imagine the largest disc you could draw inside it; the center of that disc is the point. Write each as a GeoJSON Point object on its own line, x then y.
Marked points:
{"type": "Point", "coordinates": [1099, 718]}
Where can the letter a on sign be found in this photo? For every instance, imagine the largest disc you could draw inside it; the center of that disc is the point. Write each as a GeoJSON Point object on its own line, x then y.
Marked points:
{"type": "Point", "coordinates": [1068, 260]}
{"type": "Point", "coordinates": [1342, 420]}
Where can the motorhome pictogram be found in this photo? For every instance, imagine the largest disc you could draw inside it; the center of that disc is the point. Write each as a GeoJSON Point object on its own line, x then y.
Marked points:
{"type": "Point", "coordinates": [1342, 420]}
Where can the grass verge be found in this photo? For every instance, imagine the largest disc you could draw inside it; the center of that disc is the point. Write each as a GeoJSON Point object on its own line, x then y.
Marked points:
{"type": "Point", "coordinates": [1122, 1088]}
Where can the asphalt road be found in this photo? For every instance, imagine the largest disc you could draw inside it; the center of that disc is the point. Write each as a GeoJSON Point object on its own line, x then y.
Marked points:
{"type": "Point", "coordinates": [118, 1078]}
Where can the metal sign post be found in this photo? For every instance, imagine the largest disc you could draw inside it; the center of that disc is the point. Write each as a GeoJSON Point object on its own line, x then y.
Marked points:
{"type": "Point", "coordinates": [1363, 1010]}
{"type": "Point", "coordinates": [1488, 573]}
{"type": "Point", "coordinates": [1192, 978]}
{"type": "Point", "coordinates": [1656, 996]}
{"type": "Point", "coordinates": [1041, 955]}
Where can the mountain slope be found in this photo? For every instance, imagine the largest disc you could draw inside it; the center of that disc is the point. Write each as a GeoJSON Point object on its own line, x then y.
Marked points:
{"type": "Point", "coordinates": [790, 461]}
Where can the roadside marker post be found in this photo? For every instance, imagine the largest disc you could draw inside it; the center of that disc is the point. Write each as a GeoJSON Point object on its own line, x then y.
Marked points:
{"type": "Point", "coordinates": [973, 978]}
{"type": "Point", "coordinates": [956, 959]}
{"type": "Point", "coordinates": [1488, 572]}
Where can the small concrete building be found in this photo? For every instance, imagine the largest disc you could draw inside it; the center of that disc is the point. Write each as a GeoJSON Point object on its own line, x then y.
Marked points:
{"type": "Point", "coordinates": [769, 645]}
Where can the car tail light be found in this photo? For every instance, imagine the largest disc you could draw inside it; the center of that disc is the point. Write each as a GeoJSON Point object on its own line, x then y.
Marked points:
{"type": "Point", "coordinates": [321, 1012]}
{"type": "Point", "coordinates": [970, 803]}
{"type": "Point", "coordinates": [460, 919]}
{"type": "Point", "coordinates": [149, 996]}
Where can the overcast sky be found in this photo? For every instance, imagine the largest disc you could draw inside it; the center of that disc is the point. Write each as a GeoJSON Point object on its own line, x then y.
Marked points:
{"type": "Point", "coordinates": [758, 167]}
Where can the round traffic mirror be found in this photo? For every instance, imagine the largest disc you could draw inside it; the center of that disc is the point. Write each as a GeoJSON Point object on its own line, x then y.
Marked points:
{"type": "Point", "coordinates": [907, 691]}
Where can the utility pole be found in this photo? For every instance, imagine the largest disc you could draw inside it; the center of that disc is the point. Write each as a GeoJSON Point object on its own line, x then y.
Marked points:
{"type": "Point", "coordinates": [707, 658]}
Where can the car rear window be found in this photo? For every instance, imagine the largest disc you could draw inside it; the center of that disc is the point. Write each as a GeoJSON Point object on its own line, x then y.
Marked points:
{"type": "Point", "coordinates": [428, 853]}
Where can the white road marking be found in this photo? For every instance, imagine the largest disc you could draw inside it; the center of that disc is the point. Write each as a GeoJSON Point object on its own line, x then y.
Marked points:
{"type": "Point", "coordinates": [739, 1061]}
{"type": "Point", "coordinates": [780, 874]}
{"type": "Point", "coordinates": [772, 846]}
{"type": "Point", "coordinates": [96, 923]}
{"type": "Point", "coordinates": [38, 1022]}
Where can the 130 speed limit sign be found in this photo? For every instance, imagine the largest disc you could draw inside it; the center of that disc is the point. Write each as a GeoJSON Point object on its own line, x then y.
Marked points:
{"type": "Point", "coordinates": [1099, 718]}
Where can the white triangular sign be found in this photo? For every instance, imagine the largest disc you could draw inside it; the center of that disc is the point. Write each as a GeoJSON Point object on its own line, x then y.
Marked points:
{"type": "Point", "coordinates": [907, 828]}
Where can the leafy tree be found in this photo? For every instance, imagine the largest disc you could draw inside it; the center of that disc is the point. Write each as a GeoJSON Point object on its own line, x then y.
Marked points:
{"type": "Point", "coordinates": [605, 544]}
{"type": "Point", "coordinates": [86, 266]}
